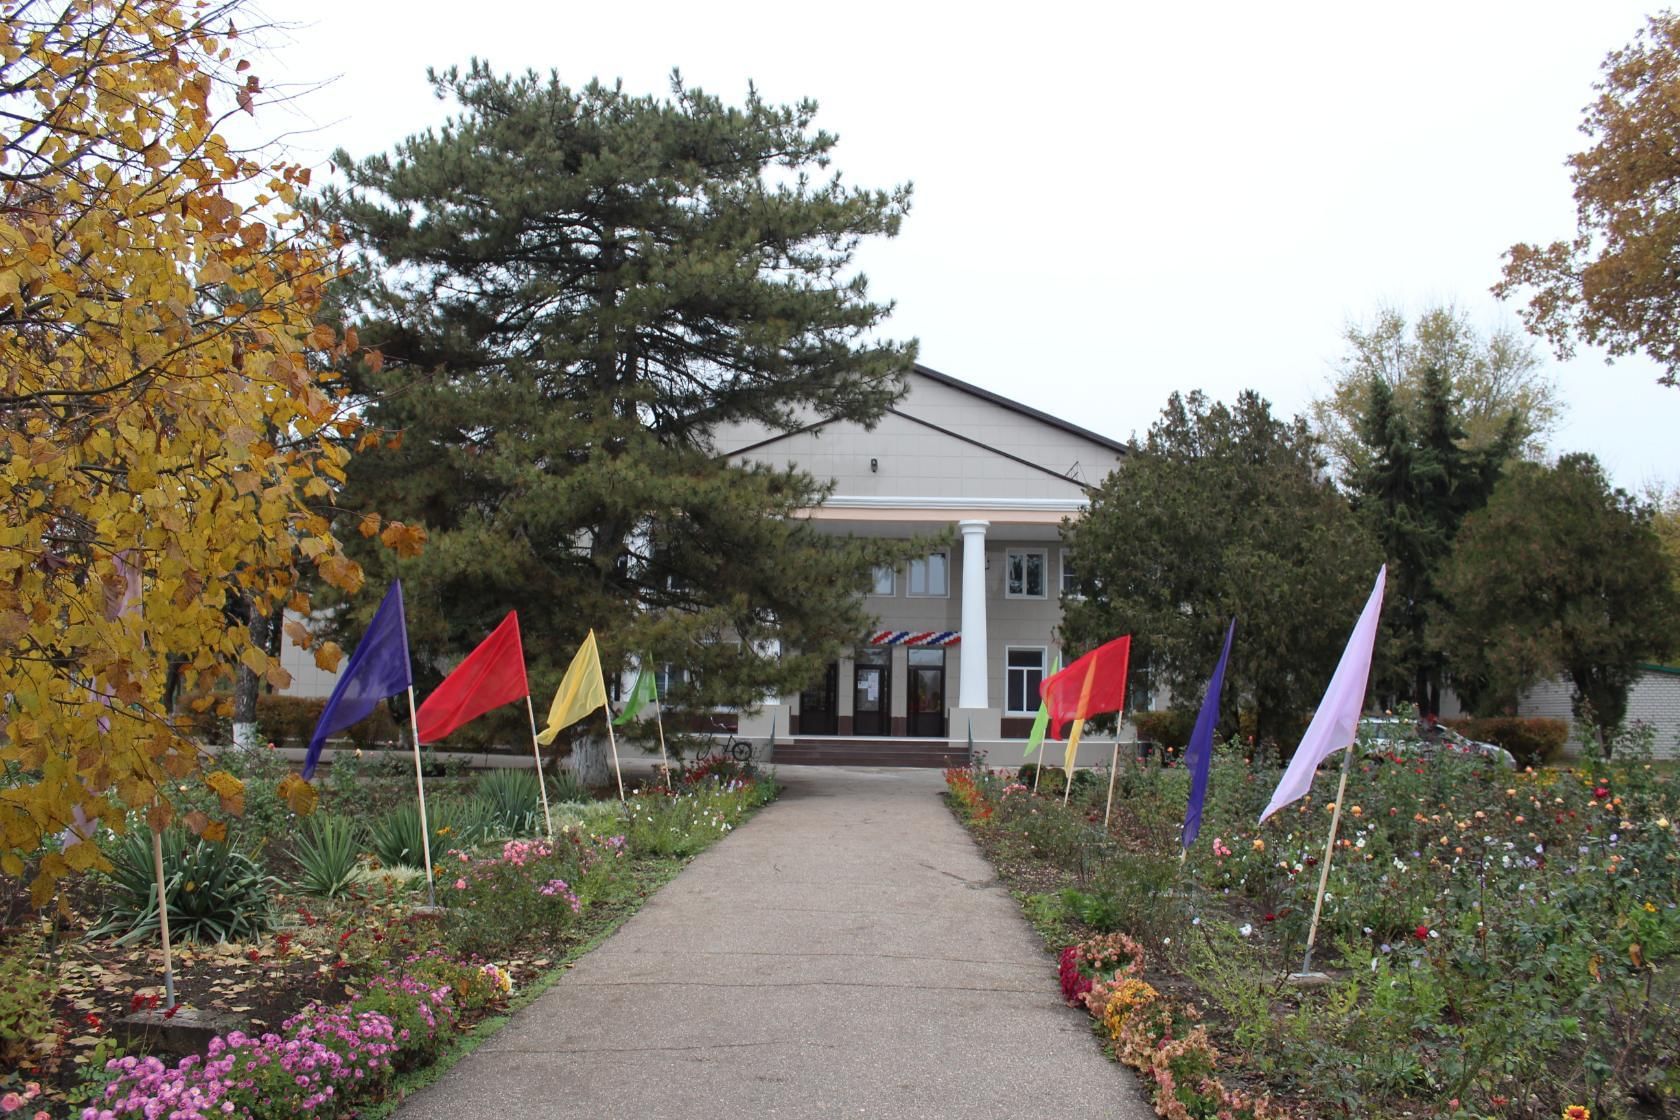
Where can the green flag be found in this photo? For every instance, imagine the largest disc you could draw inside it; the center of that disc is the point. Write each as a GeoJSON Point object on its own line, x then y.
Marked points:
{"type": "Point", "coordinates": [639, 695]}
{"type": "Point", "coordinates": [1041, 722]}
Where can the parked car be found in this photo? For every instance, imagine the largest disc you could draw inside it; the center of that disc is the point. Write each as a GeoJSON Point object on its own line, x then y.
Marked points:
{"type": "Point", "coordinates": [1381, 735]}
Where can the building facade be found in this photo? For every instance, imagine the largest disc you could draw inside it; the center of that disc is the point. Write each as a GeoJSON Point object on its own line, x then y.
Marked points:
{"type": "Point", "coordinates": [966, 633]}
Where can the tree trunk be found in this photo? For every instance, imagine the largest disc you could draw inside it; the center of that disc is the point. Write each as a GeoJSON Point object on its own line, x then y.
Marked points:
{"type": "Point", "coordinates": [247, 685]}
{"type": "Point", "coordinates": [592, 762]}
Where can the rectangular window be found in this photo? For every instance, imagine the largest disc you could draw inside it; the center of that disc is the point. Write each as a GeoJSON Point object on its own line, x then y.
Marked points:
{"type": "Point", "coordinates": [884, 579]}
{"type": "Point", "coordinates": [930, 576]}
{"type": "Point", "coordinates": [1070, 578]}
{"type": "Point", "coordinates": [1024, 577]}
{"type": "Point", "coordinates": [1023, 673]}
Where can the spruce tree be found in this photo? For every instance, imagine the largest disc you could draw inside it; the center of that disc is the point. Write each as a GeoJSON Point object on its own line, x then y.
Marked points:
{"type": "Point", "coordinates": [574, 291]}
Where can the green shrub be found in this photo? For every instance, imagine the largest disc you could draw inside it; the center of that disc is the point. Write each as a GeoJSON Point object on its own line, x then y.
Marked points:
{"type": "Point", "coordinates": [1170, 728]}
{"type": "Point", "coordinates": [564, 786]}
{"type": "Point", "coordinates": [26, 1010]}
{"type": "Point", "coordinates": [215, 892]}
{"type": "Point", "coordinates": [1533, 741]}
{"type": "Point", "coordinates": [327, 850]}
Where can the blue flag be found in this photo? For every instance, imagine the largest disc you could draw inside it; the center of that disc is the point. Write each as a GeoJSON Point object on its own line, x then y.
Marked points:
{"type": "Point", "coordinates": [1198, 756]}
{"type": "Point", "coordinates": [379, 668]}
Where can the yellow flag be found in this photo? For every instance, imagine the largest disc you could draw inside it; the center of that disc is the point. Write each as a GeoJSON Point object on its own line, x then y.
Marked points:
{"type": "Point", "coordinates": [1079, 723]}
{"type": "Point", "coordinates": [582, 690]}
{"type": "Point", "coordinates": [1072, 747]}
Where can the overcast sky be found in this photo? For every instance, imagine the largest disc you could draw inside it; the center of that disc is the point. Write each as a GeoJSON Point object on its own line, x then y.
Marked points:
{"type": "Point", "coordinates": [1112, 202]}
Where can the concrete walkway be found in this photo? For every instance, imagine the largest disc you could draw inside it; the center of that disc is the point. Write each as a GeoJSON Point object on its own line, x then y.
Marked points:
{"type": "Point", "coordinates": [848, 952]}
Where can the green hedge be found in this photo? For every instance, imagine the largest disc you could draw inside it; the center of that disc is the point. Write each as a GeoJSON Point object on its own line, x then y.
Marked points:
{"type": "Point", "coordinates": [1534, 741]}
{"type": "Point", "coordinates": [1169, 728]}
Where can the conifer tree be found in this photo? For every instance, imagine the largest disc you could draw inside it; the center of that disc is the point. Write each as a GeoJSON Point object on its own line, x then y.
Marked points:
{"type": "Point", "coordinates": [575, 291]}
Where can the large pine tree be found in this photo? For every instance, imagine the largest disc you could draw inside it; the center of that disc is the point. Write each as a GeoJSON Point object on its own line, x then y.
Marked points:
{"type": "Point", "coordinates": [573, 290]}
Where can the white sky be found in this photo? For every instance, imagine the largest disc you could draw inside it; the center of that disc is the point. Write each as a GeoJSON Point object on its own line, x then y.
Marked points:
{"type": "Point", "coordinates": [1112, 202]}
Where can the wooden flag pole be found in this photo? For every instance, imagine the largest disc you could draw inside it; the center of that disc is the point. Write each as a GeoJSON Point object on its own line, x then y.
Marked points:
{"type": "Point", "coordinates": [1073, 751]}
{"type": "Point", "coordinates": [163, 921]}
{"type": "Point", "coordinates": [1112, 767]}
{"type": "Point", "coordinates": [420, 784]}
{"type": "Point", "coordinates": [611, 738]}
{"type": "Point", "coordinates": [659, 722]}
{"type": "Point", "coordinates": [536, 753]}
{"type": "Point", "coordinates": [1329, 850]}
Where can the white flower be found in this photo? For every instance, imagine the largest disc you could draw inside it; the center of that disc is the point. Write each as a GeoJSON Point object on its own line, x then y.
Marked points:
{"type": "Point", "coordinates": [1246, 929]}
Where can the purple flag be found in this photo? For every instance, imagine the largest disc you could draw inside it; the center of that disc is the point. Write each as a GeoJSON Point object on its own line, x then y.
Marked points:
{"type": "Point", "coordinates": [1337, 719]}
{"type": "Point", "coordinates": [1198, 756]}
{"type": "Point", "coordinates": [378, 668]}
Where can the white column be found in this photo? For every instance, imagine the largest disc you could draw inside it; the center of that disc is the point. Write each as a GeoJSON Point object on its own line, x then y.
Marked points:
{"type": "Point", "coordinates": [971, 687]}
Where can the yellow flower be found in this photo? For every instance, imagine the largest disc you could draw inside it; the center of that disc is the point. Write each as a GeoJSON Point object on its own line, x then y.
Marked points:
{"type": "Point", "coordinates": [1577, 1112]}
{"type": "Point", "coordinates": [1259, 844]}
{"type": "Point", "coordinates": [1650, 908]}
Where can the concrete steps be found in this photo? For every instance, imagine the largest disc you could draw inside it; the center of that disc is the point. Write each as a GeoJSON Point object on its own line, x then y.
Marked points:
{"type": "Point", "coordinates": [937, 753]}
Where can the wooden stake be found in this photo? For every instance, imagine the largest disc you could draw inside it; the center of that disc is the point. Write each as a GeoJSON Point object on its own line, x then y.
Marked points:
{"type": "Point", "coordinates": [420, 784]}
{"type": "Point", "coordinates": [536, 753]}
{"type": "Point", "coordinates": [1329, 850]}
{"type": "Point", "coordinates": [163, 920]}
{"type": "Point", "coordinates": [659, 722]}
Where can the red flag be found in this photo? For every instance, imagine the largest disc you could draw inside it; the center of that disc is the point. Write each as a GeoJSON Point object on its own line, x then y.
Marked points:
{"type": "Point", "coordinates": [1094, 684]}
{"type": "Point", "coordinates": [492, 675]}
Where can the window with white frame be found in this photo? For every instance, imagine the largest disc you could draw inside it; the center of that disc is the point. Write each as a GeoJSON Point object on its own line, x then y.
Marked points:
{"type": "Point", "coordinates": [1070, 577]}
{"type": "Point", "coordinates": [1023, 673]}
{"type": "Point", "coordinates": [930, 576]}
{"type": "Point", "coordinates": [884, 580]}
{"type": "Point", "coordinates": [1024, 573]}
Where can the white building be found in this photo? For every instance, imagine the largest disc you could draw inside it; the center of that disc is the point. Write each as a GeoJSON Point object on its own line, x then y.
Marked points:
{"type": "Point", "coordinates": [964, 635]}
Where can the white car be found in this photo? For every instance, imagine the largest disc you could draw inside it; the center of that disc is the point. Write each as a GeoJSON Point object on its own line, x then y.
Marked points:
{"type": "Point", "coordinates": [1392, 735]}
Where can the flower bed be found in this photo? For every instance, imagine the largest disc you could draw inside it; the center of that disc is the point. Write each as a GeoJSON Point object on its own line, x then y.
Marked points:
{"type": "Point", "coordinates": [352, 990]}
{"type": "Point", "coordinates": [1497, 944]}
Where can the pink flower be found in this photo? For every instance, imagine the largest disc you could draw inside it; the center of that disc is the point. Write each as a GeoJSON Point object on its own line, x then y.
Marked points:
{"type": "Point", "coordinates": [11, 1102]}
{"type": "Point", "coordinates": [460, 884]}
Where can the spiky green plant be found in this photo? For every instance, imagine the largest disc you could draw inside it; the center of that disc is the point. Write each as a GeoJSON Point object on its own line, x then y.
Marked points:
{"type": "Point", "coordinates": [328, 847]}
{"type": "Point", "coordinates": [215, 892]}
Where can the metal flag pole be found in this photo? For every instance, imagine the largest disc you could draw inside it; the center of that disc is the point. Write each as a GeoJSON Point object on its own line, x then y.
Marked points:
{"type": "Point", "coordinates": [163, 921]}
{"type": "Point", "coordinates": [536, 753]}
{"type": "Point", "coordinates": [420, 784]}
{"type": "Point", "coordinates": [1329, 850]}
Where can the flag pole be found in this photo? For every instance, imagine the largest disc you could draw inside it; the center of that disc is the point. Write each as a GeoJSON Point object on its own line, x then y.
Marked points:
{"type": "Point", "coordinates": [1112, 767]}
{"type": "Point", "coordinates": [420, 784]}
{"type": "Point", "coordinates": [1329, 850]}
{"type": "Point", "coordinates": [536, 753]}
{"type": "Point", "coordinates": [611, 738]}
{"type": "Point", "coordinates": [163, 920]}
{"type": "Point", "coordinates": [659, 722]}
{"type": "Point", "coordinates": [1073, 753]}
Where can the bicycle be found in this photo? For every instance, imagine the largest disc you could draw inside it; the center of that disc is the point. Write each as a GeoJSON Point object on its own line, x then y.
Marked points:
{"type": "Point", "coordinates": [736, 750]}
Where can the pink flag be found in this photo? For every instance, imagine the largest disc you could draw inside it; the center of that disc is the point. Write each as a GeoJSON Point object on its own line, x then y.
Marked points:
{"type": "Point", "coordinates": [1336, 722]}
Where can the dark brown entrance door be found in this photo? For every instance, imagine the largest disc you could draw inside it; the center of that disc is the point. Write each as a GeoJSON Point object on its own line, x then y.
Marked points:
{"type": "Point", "coordinates": [871, 706]}
{"type": "Point", "coordinates": [819, 711]}
{"type": "Point", "coordinates": [927, 693]}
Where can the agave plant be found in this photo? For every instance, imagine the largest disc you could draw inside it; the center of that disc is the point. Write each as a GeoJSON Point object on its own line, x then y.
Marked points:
{"type": "Point", "coordinates": [512, 801]}
{"type": "Point", "coordinates": [215, 892]}
{"type": "Point", "coordinates": [327, 851]}
{"type": "Point", "coordinates": [396, 833]}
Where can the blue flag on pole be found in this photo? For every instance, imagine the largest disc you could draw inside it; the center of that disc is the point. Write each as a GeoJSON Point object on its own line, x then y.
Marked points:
{"type": "Point", "coordinates": [379, 668]}
{"type": "Point", "coordinates": [1198, 756]}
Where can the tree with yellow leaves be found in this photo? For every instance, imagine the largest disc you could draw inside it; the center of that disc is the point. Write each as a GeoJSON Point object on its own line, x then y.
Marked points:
{"type": "Point", "coordinates": [170, 440]}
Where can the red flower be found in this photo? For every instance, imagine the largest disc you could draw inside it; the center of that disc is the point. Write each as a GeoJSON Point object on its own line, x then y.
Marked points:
{"type": "Point", "coordinates": [253, 956]}
{"type": "Point", "coordinates": [94, 1022]}
{"type": "Point", "coordinates": [1271, 917]}
{"type": "Point", "coordinates": [1421, 933]}
{"type": "Point", "coordinates": [170, 1014]}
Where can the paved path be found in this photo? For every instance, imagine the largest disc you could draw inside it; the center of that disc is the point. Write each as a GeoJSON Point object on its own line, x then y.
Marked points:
{"type": "Point", "coordinates": [848, 952]}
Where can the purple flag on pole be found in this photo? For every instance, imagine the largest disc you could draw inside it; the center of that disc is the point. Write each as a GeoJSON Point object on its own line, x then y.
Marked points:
{"type": "Point", "coordinates": [379, 668]}
{"type": "Point", "coordinates": [1337, 719]}
{"type": "Point", "coordinates": [1198, 756]}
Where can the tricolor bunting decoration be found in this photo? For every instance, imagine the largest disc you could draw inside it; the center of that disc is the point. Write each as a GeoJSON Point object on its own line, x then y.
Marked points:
{"type": "Point", "coordinates": [915, 638]}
